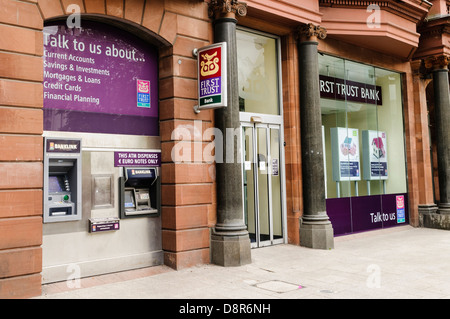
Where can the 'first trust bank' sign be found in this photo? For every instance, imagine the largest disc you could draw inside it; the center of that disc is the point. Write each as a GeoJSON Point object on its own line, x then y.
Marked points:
{"type": "Point", "coordinates": [340, 89]}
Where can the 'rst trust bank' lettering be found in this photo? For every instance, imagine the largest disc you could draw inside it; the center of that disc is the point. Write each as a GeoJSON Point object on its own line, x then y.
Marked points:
{"type": "Point", "coordinates": [343, 89]}
{"type": "Point", "coordinates": [349, 90]}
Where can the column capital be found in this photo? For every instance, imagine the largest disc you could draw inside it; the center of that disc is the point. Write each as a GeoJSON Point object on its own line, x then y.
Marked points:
{"type": "Point", "coordinates": [437, 62]}
{"type": "Point", "coordinates": [310, 32]}
{"type": "Point", "coordinates": [419, 70]}
{"type": "Point", "coordinates": [227, 8]}
{"type": "Point", "coordinates": [416, 67]}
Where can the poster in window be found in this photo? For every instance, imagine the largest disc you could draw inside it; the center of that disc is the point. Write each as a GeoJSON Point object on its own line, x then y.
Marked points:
{"type": "Point", "coordinates": [375, 164]}
{"type": "Point", "coordinates": [345, 154]}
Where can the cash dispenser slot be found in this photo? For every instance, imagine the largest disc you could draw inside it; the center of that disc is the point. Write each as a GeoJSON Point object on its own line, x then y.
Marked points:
{"type": "Point", "coordinates": [140, 192]}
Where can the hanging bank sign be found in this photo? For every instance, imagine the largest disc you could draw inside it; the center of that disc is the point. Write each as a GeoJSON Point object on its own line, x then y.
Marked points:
{"type": "Point", "coordinates": [212, 76]}
{"type": "Point", "coordinates": [345, 90]}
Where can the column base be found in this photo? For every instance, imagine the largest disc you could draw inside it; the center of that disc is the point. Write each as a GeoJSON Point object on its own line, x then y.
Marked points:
{"type": "Point", "coordinates": [317, 235]}
{"type": "Point", "coordinates": [428, 215]}
{"type": "Point", "coordinates": [427, 209]}
{"type": "Point", "coordinates": [444, 208]}
{"type": "Point", "coordinates": [433, 216]}
{"type": "Point", "coordinates": [229, 251]}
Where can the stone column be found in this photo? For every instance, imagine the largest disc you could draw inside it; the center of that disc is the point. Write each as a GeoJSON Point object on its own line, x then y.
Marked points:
{"type": "Point", "coordinates": [230, 242]}
{"type": "Point", "coordinates": [442, 120]}
{"type": "Point", "coordinates": [315, 227]}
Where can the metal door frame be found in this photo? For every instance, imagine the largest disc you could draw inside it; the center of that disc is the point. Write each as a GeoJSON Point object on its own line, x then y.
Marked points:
{"type": "Point", "coordinates": [267, 125]}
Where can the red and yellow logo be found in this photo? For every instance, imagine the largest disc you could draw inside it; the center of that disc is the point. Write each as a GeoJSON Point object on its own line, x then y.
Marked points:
{"type": "Point", "coordinates": [210, 63]}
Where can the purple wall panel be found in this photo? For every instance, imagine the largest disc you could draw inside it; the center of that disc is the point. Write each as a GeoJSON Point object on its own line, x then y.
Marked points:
{"type": "Point", "coordinates": [357, 214]}
{"type": "Point", "coordinates": [92, 77]}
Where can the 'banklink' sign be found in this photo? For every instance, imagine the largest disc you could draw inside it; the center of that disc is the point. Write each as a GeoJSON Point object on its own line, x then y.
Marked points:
{"type": "Point", "coordinates": [212, 76]}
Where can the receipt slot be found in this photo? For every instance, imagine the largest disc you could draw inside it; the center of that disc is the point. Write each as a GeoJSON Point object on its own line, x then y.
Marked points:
{"type": "Point", "coordinates": [62, 180]}
{"type": "Point", "coordinates": [140, 192]}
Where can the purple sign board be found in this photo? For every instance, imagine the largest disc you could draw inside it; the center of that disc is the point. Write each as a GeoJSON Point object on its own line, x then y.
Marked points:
{"type": "Point", "coordinates": [99, 79]}
{"type": "Point", "coordinates": [103, 225]}
{"type": "Point", "coordinates": [357, 214]}
{"type": "Point", "coordinates": [137, 159]}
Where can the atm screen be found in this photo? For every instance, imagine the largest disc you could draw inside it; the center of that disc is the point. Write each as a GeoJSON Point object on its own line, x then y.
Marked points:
{"type": "Point", "coordinates": [56, 184]}
{"type": "Point", "coordinates": [129, 200]}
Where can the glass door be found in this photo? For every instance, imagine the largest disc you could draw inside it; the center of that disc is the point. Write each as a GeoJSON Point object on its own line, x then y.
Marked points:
{"type": "Point", "coordinates": [263, 205]}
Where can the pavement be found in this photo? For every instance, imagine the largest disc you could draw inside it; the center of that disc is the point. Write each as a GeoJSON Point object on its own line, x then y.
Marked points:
{"type": "Point", "coordinates": [395, 263]}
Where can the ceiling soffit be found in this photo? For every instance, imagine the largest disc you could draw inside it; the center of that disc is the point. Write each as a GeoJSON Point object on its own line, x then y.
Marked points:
{"type": "Point", "coordinates": [389, 27]}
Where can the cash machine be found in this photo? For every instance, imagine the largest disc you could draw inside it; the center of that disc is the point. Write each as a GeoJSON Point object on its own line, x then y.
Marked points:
{"type": "Point", "coordinates": [62, 180]}
{"type": "Point", "coordinates": [140, 192]}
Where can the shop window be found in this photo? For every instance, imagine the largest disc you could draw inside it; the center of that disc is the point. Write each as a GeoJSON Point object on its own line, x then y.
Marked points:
{"type": "Point", "coordinates": [258, 73]}
{"type": "Point", "coordinates": [363, 135]}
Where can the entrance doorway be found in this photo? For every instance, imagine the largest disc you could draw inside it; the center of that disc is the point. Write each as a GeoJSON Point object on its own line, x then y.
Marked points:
{"type": "Point", "coordinates": [261, 117]}
{"type": "Point", "coordinates": [263, 181]}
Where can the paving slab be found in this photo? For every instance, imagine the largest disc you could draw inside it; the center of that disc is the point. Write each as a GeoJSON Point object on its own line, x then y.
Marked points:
{"type": "Point", "coordinates": [396, 263]}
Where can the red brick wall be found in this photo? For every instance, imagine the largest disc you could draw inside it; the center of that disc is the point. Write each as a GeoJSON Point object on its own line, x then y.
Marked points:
{"type": "Point", "coordinates": [291, 112]}
{"type": "Point", "coordinates": [188, 192]}
{"type": "Point", "coordinates": [188, 189]}
{"type": "Point", "coordinates": [21, 124]}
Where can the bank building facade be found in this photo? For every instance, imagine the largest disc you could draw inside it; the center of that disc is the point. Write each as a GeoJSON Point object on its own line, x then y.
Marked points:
{"type": "Point", "coordinates": [139, 133]}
